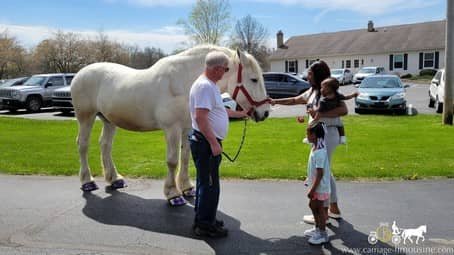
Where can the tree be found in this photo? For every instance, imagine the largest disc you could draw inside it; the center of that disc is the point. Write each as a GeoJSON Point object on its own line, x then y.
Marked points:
{"type": "Point", "coordinates": [11, 56]}
{"type": "Point", "coordinates": [208, 21]}
{"type": "Point", "coordinates": [249, 35]}
{"type": "Point", "coordinates": [62, 53]}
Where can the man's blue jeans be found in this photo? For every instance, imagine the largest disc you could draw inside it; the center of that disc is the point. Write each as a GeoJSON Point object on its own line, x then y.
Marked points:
{"type": "Point", "coordinates": [207, 185]}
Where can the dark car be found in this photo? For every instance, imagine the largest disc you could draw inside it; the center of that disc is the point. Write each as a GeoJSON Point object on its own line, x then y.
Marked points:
{"type": "Point", "coordinates": [14, 82]}
{"type": "Point", "coordinates": [280, 84]}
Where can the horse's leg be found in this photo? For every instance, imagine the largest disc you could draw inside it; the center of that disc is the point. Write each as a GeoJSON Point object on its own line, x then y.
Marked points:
{"type": "Point", "coordinates": [171, 192]}
{"type": "Point", "coordinates": [183, 181]}
{"type": "Point", "coordinates": [110, 172]}
{"type": "Point", "coordinates": [86, 121]}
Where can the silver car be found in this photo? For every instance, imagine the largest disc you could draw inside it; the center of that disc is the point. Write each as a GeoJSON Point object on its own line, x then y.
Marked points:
{"type": "Point", "coordinates": [35, 93]}
{"type": "Point", "coordinates": [344, 76]}
{"type": "Point", "coordinates": [367, 71]}
{"type": "Point", "coordinates": [382, 93]}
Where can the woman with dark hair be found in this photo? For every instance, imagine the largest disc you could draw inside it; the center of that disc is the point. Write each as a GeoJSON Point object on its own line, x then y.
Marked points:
{"type": "Point", "coordinates": [318, 72]}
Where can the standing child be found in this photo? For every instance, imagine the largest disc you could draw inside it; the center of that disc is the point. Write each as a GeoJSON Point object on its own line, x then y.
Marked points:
{"type": "Point", "coordinates": [318, 180]}
{"type": "Point", "coordinates": [331, 99]}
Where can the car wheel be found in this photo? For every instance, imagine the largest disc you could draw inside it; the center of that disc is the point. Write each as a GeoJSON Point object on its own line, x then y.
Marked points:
{"type": "Point", "coordinates": [439, 106]}
{"type": "Point", "coordinates": [431, 102]}
{"type": "Point", "coordinates": [359, 111]}
{"type": "Point", "coordinates": [33, 104]}
{"type": "Point", "coordinates": [12, 110]}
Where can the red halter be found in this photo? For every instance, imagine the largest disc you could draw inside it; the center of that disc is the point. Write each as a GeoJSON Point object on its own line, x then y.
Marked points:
{"type": "Point", "coordinates": [243, 89]}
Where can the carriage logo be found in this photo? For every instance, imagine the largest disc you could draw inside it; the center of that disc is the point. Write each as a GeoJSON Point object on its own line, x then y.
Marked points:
{"type": "Point", "coordinates": [396, 235]}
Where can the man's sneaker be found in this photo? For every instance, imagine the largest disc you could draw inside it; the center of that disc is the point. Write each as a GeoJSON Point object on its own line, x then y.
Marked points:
{"type": "Point", "coordinates": [343, 140]}
{"type": "Point", "coordinates": [311, 232]}
{"type": "Point", "coordinates": [212, 231]}
{"type": "Point", "coordinates": [320, 237]}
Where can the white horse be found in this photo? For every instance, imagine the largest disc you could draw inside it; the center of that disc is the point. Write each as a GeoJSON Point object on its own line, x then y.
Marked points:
{"type": "Point", "coordinates": [156, 98]}
{"type": "Point", "coordinates": [418, 232]}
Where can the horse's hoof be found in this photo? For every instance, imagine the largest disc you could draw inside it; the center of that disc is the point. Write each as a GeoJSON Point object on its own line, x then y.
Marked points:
{"type": "Point", "coordinates": [89, 186]}
{"type": "Point", "coordinates": [118, 184]}
{"type": "Point", "coordinates": [189, 192]}
{"type": "Point", "coordinates": [177, 201]}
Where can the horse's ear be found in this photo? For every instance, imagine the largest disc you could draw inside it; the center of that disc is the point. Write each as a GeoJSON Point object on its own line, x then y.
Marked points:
{"type": "Point", "coordinates": [241, 56]}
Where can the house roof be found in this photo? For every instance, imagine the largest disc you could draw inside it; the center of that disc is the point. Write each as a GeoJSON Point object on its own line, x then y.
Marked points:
{"type": "Point", "coordinates": [400, 38]}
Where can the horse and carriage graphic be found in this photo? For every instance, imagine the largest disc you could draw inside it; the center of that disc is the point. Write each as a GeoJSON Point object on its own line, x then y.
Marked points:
{"type": "Point", "coordinates": [396, 235]}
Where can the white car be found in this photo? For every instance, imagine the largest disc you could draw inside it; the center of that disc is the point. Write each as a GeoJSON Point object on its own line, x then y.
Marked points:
{"type": "Point", "coordinates": [344, 76]}
{"type": "Point", "coordinates": [367, 71]}
{"type": "Point", "coordinates": [228, 101]}
{"type": "Point", "coordinates": [437, 90]}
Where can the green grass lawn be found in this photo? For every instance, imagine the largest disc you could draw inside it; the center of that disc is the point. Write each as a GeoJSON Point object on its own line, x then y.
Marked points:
{"type": "Point", "coordinates": [396, 147]}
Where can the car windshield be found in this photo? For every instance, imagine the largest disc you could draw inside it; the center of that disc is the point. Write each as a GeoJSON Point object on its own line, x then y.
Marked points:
{"type": "Point", "coordinates": [336, 71]}
{"type": "Point", "coordinates": [35, 81]}
{"type": "Point", "coordinates": [367, 70]}
{"type": "Point", "coordinates": [381, 82]}
{"type": "Point", "coordinates": [9, 83]}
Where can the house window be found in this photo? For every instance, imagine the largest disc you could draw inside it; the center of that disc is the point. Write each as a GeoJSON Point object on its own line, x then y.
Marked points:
{"type": "Point", "coordinates": [362, 62]}
{"type": "Point", "coordinates": [429, 60]}
{"type": "Point", "coordinates": [356, 63]}
{"type": "Point", "coordinates": [348, 64]}
{"type": "Point", "coordinates": [398, 61]}
{"type": "Point", "coordinates": [292, 66]}
{"type": "Point", "coordinates": [343, 64]}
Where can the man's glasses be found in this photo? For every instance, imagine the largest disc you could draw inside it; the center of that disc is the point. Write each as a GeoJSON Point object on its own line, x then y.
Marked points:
{"type": "Point", "coordinates": [226, 69]}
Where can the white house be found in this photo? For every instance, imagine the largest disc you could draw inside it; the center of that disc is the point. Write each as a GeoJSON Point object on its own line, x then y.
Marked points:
{"type": "Point", "coordinates": [399, 49]}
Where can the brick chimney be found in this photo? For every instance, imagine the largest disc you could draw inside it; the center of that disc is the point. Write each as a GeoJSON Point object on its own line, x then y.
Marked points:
{"type": "Point", "coordinates": [370, 26]}
{"type": "Point", "coordinates": [280, 40]}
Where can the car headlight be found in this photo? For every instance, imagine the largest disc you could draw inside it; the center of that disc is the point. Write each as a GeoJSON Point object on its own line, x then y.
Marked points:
{"type": "Point", "coordinates": [397, 96]}
{"type": "Point", "coordinates": [363, 96]}
{"type": "Point", "coordinates": [15, 94]}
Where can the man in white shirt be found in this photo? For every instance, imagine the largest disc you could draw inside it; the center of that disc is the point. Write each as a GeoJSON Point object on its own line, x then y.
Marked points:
{"type": "Point", "coordinates": [210, 120]}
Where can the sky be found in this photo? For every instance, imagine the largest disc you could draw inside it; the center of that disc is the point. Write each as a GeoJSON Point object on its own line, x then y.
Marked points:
{"type": "Point", "coordinates": [153, 23]}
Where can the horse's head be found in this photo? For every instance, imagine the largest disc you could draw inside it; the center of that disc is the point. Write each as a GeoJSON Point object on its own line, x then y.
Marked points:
{"type": "Point", "coordinates": [245, 84]}
{"type": "Point", "coordinates": [423, 228]}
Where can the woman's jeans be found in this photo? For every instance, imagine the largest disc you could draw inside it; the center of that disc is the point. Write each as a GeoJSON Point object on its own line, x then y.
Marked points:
{"type": "Point", "coordinates": [207, 185]}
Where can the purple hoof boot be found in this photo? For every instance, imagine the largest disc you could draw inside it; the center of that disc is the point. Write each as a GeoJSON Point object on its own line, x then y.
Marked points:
{"type": "Point", "coordinates": [177, 201]}
{"type": "Point", "coordinates": [189, 192]}
{"type": "Point", "coordinates": [89, 186]}
{"type": "Point", "coordinates": [118, 184]}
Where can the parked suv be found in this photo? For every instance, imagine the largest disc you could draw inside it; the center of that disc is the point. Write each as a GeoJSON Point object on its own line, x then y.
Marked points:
{"type": "Point", "coordinates": [61, 100]}
{"type": "Point", "coordinates": [279, 84]}
{"type": "Point", "coordinates": [367, 71]}
{"type": "Point", "coordinates": [35, 93]}
{"type": "Point", "coordinates": [437, 91]}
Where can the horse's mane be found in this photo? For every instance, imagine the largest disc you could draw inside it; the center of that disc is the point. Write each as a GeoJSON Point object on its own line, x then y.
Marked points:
{"type": "Point", "coordinates": [202, 50]}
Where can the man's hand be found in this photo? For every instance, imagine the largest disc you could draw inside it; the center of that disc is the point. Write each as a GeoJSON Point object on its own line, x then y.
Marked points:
{"type": "Point", "coordinates": [216, 149]}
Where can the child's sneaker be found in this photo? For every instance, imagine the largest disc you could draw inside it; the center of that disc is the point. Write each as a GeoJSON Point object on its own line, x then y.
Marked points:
{"type": "Point", "coordinates": [343, 140]}
{"type": "Point", "coordinates": [311, 232]}
{"type": "Point", "coordinates": [320, 237]}
{"type": "Point", "coordinates": [305, 140]}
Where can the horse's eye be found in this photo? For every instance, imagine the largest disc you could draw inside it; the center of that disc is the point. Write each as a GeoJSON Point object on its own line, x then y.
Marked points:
{"type": "Point", "coordinates": [254, 80]}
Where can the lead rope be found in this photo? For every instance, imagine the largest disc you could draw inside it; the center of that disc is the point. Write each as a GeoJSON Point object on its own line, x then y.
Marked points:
{"type": "Point", "coordinates": [241, 145]}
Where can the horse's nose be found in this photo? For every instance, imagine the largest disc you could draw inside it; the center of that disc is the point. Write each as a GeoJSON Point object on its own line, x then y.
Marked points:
{"type": "Point", "coordinates": [266, 114]}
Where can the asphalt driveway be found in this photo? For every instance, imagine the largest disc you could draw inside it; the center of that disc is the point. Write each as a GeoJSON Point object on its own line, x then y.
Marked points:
{"type": "Point", "coordinates": [50, 215]}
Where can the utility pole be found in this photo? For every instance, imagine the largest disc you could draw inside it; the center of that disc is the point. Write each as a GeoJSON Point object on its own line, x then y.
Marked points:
{"type": "Point", "coordinates": [449, 64]}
